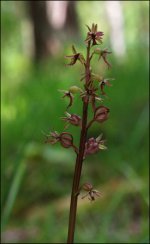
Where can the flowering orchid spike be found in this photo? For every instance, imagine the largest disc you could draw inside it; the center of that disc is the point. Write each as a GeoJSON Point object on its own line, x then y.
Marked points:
{"type": "Point", "coordinates": [89, 97]}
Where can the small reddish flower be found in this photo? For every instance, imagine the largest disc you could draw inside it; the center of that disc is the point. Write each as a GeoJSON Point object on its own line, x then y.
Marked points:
{"type": "Point", "coordinates": [104, 54]}
{"type": "Point", "coordinates": [87, 186]}
{"type": "Point", "coordinates": [103, 83]}
{"type": "Point", "coordinates": [91, 95]}
{"type": "Point", "coordinates": [75, 56]}
{"type": "Point", "coordinates": [91, 146]}
{"type": "Point", "coordinates": [65, 139]}
{"type": "Point", "coordinates": [92, 193]}
{"type": "Point", "coordinates": [101, 114]}
{"type": "Point", "coordinates": [94, 145]}
{"type": "Point", "coordinates": [94, 35]}
{"type": "Point", "coordinates": [52, 138]}
{"type": "Point", "coordinates": [69, 95]}
{"type": "Point", "coordinates": [72, 119]}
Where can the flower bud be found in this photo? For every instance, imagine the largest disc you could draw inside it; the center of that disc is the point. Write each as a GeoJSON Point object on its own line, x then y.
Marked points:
{"type": "Point", "coordinates": [52, 138]}
{"type": "Point", "coordinates": [75, 89]}
{"type": "Point", "coordinates": [66, 140]}
{"type": "Point", "coordinates": [96, 77]}
{"type": "Point", "coordinates": [97, 51]}
{"type": "Point", "coordinates": [75, 120]}
{"type": "Point", "coordinates": [72, 119]}
{"type": "Point", "coordinates": [87, 187]}
{"type": "Point", "coordinates": [101, 114]}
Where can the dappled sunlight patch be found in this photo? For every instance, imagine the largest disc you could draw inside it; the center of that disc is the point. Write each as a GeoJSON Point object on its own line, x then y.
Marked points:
{"type": "Point", "coordinates": [8, 113]}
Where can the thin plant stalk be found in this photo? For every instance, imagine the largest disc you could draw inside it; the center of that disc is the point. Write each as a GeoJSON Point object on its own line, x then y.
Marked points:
{"type": "Point", "coordinates": [79, 160]}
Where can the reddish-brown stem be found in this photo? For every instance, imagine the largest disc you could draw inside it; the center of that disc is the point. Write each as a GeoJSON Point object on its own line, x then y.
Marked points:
{"type": "Point", "coordinates": [79, 160]}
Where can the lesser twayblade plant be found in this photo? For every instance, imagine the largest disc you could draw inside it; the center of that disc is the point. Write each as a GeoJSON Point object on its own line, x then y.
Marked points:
{"type": "Point", "coordinates": [93, 84]}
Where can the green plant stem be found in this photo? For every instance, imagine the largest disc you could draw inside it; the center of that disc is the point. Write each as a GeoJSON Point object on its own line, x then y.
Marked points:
{"type": "Point", "coordinates": [79, 160]}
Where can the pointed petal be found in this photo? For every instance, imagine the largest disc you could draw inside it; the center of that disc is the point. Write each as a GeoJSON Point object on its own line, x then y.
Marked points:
{"type": "Point", "coordinates": [88, 39]}
{"type": "Point", "coordinates": [95, 29]}
{"type": "Point", "coordinates": [99, 137]}
{"type": "Point", "coordinates": [74, 50]}
{"type": "Point", "coordinates": [81, 59]}
{"type": "Point", "coordinates": [88, 28]}
{"type": "Point", "coordinates": [99, 99]}
{"type": "Point", "coordinates": [92, 27]}
{"type": "Point", "coordinates": [67, 114]}
{"type": "Point", "coordinates": [62, 91]}
{"type": "Point", "coordinates": [108, 83]}
{"type": "Point", "coordinates": [102, 147]}
{"type": "Point", "coordinates": [69, 56]}
{"type": "Point", "coordinates": [99, 33]}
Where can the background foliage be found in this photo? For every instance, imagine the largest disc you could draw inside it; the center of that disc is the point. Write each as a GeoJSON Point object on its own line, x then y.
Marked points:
{"type": "Point", "coordinates": [37, 178]}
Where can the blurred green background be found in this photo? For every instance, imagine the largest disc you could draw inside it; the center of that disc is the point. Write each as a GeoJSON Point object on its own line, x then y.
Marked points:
{"type": "Point", "coordinates": [36, 178]}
